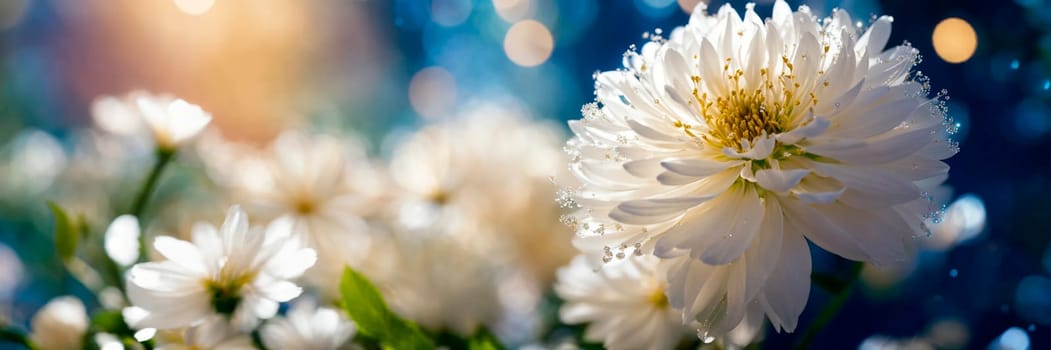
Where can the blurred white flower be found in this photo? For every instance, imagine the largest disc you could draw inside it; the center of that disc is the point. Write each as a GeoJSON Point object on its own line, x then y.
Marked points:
{"type": "Point", "coordinates": [623, 302]}
{"type": "Point", "coordinates": [213, 333]}
{"type": "Point", "coordinates": [234, 271]}
{"type": "Point", "coordinates": [323, 185]}
{"type": "Point", "coordinates": [171, 121]}
{"type": "Point", "coordinates": [30, 163]}
{"type": "Point", "coordinates": [453, 174]}
{"type": "Point", "coordinates": [308, 327]}
{"type": "Point", "coordinates": [719, 148]}
{"type": "Point", "coordinates": [122, 240]}
{"type": "Point", "coordinates": [439, 284]}
{"type": "Point", "coordinates": [60, 325]}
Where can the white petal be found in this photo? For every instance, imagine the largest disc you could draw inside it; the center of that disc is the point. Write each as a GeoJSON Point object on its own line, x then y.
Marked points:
{"type": "Point", "coordinates": [778, 180]}
{"type": "Point", "coordinates": [660, 207]}
{"type": "Point", "coordinates": [815, 127]}
{"type": "Point", "coordinates": [763, 146]}
{"type": "Point", "coordinates": [823, 232]}
{"type": "Point", "coordinates": [181, 252]}
{"type": "Point", "coordinates": [122, 240]}
{"type": "Point", "coordinates": [281, 291]}
{"type": "Point", "coordinates": [790, 283]}
{"type": "Point", "coordinates": [747, 223]}
{"type": "Point", "coordinates": [695, 167]}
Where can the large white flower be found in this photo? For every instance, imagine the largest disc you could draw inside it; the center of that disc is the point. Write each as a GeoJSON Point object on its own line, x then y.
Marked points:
{"type": "Point", "coordinates": [171, 121]}
{"type": "Point", "coordinates": [60, 325]}
{"type": "Point", "coordinates": [723, 148]}
{"type": "Point", "coordinates": [235, 271]}
{"type": "Point", "coordinates": [624, 302]}
{"type": "Point", "coordinates": [308, 327]}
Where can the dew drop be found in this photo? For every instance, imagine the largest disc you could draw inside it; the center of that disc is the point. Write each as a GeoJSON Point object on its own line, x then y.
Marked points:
{"type": "Point", "coordinates": [1014, 64]}
{"type": "Point", "coordinates": [1047, 85]}
{"type": "Point", "coordinates": [704, 336]}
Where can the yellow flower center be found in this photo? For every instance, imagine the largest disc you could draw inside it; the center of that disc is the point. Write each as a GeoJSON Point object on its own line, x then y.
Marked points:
{"type": "Point", "coordinates": [658, 299]}
{"type": "Point", "coordinates": [743, 115]}
{"type": "Point", "coordinates": [746, 113]}
{"type": "Point", "coordinates": [305, 206]}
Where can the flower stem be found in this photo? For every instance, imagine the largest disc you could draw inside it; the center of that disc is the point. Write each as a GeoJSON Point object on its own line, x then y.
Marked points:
{"type": "Point", "coordinates": [164, 156]}
{"type": "Point", "coordinates": [839, 298]}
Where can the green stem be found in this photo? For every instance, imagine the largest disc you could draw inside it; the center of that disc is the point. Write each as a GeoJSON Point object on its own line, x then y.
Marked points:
{"type": "Point", "coordinates": [13, 335]}
{"type": "Point", "coordinates": [164, 156]}
{"type": "Point", "coordinates": [839, 298]}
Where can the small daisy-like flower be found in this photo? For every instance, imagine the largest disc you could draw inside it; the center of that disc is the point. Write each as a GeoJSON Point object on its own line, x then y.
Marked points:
{"type": "Point", "coordinates": [60, 325]}
{"type": "Point", "coordinates": [624, 303]}
{"type": "Point", "coordinates": [308, 327]}
{"type": "Point", "coordinates": [234, 271]}
{"type": "Point", "coordinates": [171, 121]}
{"type": "Point", "coordinates": [722, 148]}
{"type": "Point", "coordinates": [321, 184]}
{"type": "Point", "coordinates": [214, 333]}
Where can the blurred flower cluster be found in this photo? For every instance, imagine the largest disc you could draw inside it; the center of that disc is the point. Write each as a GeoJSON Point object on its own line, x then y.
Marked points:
{"type": "Point", "coordinates": [458, 230]}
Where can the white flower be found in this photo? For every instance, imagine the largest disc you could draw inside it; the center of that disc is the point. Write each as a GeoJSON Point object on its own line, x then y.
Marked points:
{"type": "Point", "coordinates": [624, 302]}
{"type": "Point", "coordinates": [453, 174]}
{"type": "Point", "coordinates": [235, 271]}
{"type": "Point", "coordinates": [172, 121]}
{"type": "Point", "coordinates": [438, 283]}
{"type": "Point", "coordinates": [721, 148]}
{"type": "Point", "coordinates": [321, 184]}
{"type": "Point", "coordinates": [60, 325]}
{"type": "Point", "coordinates": [308, 327]}
{"type": "Point", "coordinates": [213, 333]}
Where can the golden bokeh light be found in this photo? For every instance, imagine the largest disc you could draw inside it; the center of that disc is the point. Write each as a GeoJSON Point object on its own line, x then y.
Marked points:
{"type": "Point", "coordinates": [528, 43]}
{"type": "Point", "coordinates": [954, 40]}
{"type": "Point", "coordinates": [432, 92]}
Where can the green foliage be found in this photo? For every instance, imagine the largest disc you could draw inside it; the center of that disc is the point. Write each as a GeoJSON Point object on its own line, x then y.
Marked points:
{"type": "Point", "coordinates": [483, 340]}
{"type": "Point", "coordinates": [66, 233]}
{"type": "Point", "coordinates": [374, 319]}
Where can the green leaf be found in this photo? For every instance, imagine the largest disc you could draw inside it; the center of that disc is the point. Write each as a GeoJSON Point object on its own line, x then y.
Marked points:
{"type": "Point", "coordinates": [110, 321]}
{"type": "Point", "coordinates": [484, 340]}
{"type": "Point", "coordinates": [366, 307]}
{"type": "Point", "coordinates": [66, 236]}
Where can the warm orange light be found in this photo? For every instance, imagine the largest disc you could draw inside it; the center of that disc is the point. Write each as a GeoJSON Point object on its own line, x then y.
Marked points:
{"type": "Point", "coordinates": [528, 43]}
{"type": "Point", "coordinates": [954, 40]}
{"type": "Point", "coordinates": [194, 7]}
